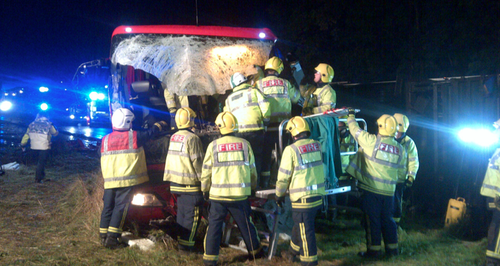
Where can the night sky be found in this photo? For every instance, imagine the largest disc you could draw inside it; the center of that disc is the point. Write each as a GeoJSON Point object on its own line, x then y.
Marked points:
{"type": "Point", "coordinates": [43, 42]}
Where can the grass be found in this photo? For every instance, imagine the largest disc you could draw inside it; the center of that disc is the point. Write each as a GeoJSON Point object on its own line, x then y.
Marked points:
{"type": "Point", "coordinates": [56, 223]}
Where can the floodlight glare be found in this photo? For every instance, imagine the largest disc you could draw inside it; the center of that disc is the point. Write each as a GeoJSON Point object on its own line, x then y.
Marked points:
{"type": "Point", "coordinates": [44, 106]}
{"type": "Point", "coordinates": [5, 106]}
{"type": "Point", "coordinates": [101, 96]}
{"type": "Point", "coordinates": [93, 96]}
{"type": "Point", "coordinates": [43, 89]}
{"type": "Point", "coordinates": [262, 35]}
{"type": "Point", "coordinates": [481, 137]}
{"type": "Point", "coordinates": [72, 117]}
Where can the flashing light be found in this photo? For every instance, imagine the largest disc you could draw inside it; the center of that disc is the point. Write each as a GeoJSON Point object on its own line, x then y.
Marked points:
{"type": "Point", "coordinates": [93, 96]}
{"type": "Point", "coordinates": [44, 106]}
{"type": "Point", "coordinates": [101, 96]}
{"type": "Point", "coordinates": [478, 136]}
{"type": "Point", "coordinates": [72, 117]}
{"type": "Point", "coordinates": [43, 89]}
{"type": "Point", "coordinates": [5, 106]}
{"type": "Point", "coordinates": [128, 29]}
{"type": "Point", "coordinates": [262, 35]}
{"type": "Point", "coordinates": [21, 91]}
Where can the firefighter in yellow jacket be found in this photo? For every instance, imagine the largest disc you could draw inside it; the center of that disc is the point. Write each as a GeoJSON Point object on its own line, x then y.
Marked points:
{"type": "Point", "coordinates": [301, 173]}
{"type": "Point", "coordinates": [251, 108]}
{"type": "Point", "coordinates": [183, 171]}
{"type": "Point", "coordinates": [39, 133]}
{"type": "Point", "coordinates": [123, 166]}
{"type": "Point", "coordinates": [174, 102]}
{"type": "Point", "coordinates": [323, 97]}
{"type": "Point", "coordinates": [405, 180]}
{"type": "Point", "coordinates": [228, 178]}
{"type": "Point", "coordinates": [491, 190]}
{"type": "Point", "coordinates": [377, 165]}
{"type": "Point", "coordinates": [281, 94]}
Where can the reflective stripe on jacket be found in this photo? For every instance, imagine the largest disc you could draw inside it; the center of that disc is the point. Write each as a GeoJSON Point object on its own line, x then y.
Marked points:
{"type": "Point", "coordinates": [123, 163]}
{"type": "Point", "coordinates": [491, 182]}
{"type": "Point", "coordinates": [40, 133]}
{"type": "Point", "coordinates": [280, 94]}
{"type": "Point", "coordinates": [175, 102]}
{"type": "Point", "coordinates": [229, 169]}
{"type": "Point", "coordinates": [301, 170]}
{"type": "Point", "coordinates": [347, 144]}
{"type": "Point", "coordinates": [378, 163]}
{"type": "Point", "coordinates": [249, 106]}
{"type": "Point", "coordinates": [412, 163]}
{"type": "Point", "coordinates": [323, 99]}
{"type": "Point", "coordinates": [184, 160]}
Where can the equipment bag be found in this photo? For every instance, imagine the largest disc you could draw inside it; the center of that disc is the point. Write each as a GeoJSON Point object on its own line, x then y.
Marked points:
{"type": "Point", "coordinates": [456, 211]}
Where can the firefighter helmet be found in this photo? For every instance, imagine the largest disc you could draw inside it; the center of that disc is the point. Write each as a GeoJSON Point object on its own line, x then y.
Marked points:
{"type": "Point", "coordinates": [184, 118]}
{"type": "Point", "coordinates": [403, 122]}
{"type": "Point", "coordinates": [122, 119]}
{"type": "Point", "coordinates": [237, 79]}
{"type": "Point", "coordinates": [326, 72]}
{"type": "Point", "coordinates": [297, 125]}
{"type": "Point", "coordinates": [275, 64]}
{"type": "Point", "coordinates": [227, 123]}
{"type": "Point", "coordinates": [387, 125]}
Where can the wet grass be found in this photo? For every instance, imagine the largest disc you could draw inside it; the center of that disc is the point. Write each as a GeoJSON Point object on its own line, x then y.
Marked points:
{"type": "Point", "coordinates": [56, 223]}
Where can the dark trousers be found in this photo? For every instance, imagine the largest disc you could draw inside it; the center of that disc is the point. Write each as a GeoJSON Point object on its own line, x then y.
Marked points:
{"type": "Point", "coordinates": [188, 217]}
{"type": "Point", "coordinates": [43, 155]}
{"type": "Point", "coordinates": [116, 203]}
{"type": "Point", "coordinates": [256, 140]}
{"type": "Point", "coordinates": [492, 249]}
{"type": "Point", "coordinates": [378, 221]}
{"type": "Point", "coordinates": [271, 141]}
{"type": "Point", "coordinates": [240, 211]}
{"type": "Point", "coordinates": [398, 202]}
{"type": "Point", "coordinates": [303, 238]}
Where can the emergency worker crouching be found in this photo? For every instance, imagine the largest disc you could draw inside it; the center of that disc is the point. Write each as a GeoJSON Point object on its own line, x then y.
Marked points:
{"type": "Point", "coordinates": [301, 173]}
{"type": "Point", "coordinates": [183, 171]}
{"type": "Point", "coordinates": [174, 102]}
{"type": "Point", "coordinates": [228, 178]}
{"type": "Point", "coordinates": [281, 94]}
{"type": "Point", "coordinates": [251, 108]}
{"type": "Point", "coordinates": [491, 190]}
{"type": "Point", "coordinates": [323, 97]}
{"type": "Point", "coordinates": [405, 180]}
{"type": "Point", "coordinates": [39, 133]}
{"type": "Point", "coordinates": [123, 166]}
{"type": "Point", "coordinates": [377, 165]}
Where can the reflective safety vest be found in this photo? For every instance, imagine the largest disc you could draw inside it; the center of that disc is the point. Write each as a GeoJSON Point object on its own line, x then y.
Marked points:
{"type": "Point", "coordinates": [491, 182]}
{"type": "Point", "coordinates": [413, 164]}
{"type": "Point", "coordinates": [301, 172]}
{"type": "Point", "coordinates": [229, 171]}
{"type": "Point", "coordinates": [322, 99]}
{"type": "Point", "coordinates": [40, 133]}
{"type": "Point", "coordinates": [280, 94]}
{"type": "Point", "coordinates": [249, 106]}
{"type": "Point", "coordinates": [184, 161]}
{"type": "Point", "coordinates": [347, 144]}
{"type": "Point", "coordinates": [123, 163]}
{"type": "Point", "coordinates": [378, 163]}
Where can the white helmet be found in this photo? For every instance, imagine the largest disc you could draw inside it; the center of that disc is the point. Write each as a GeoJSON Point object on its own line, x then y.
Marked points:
{"type": "Point", "coordinates": [236, 79]}
{"type": "Point", "coordinates": [122, 119]}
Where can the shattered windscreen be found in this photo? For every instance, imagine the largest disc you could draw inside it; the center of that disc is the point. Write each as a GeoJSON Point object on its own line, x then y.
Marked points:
{"type": "Point", "coordinates": [192, 65]}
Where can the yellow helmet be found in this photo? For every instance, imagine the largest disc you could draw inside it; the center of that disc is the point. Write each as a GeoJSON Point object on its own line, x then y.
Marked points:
{"type": "Point", "coordinates": [326, 72]}
{"type": "Point", "coordinates": [387, 125]}
{"type": "Point", "coordinates": [275, 64]}
{"type": "Point", "coordinates": [184, 118]}
{"type": "Point", "coordinates": [227, 123]}
{"type": "Point", "coordinates": [297, 125]}
{"type": "Point", "coordinates": [403, 122]}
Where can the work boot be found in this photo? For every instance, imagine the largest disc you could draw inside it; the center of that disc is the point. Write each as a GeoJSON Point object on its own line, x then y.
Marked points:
{"type": "Point", "coordinates": [113, 243]}
{"type": "Point", "coordinates": [258, 255]}
{"type": "Point", "coordinates": [391, 252]}
{"type": "Point", "coordinates": [370, 254]}
{"type": "Point", "coordinates": [103, 238]}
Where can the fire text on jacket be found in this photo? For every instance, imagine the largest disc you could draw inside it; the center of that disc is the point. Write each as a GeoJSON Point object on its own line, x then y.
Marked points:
{"type": "Point", "coordinates": [273, 82]}
{"type": "Point", "coordinates": [312, 147]}
{"type": "Point", "coordinates": [388, 148]}
{"type": "Point", "coordinates": [177, 138]}
{"type": "Point", "coordinates": [230, 147]}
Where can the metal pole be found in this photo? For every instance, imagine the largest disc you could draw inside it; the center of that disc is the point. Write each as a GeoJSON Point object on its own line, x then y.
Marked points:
{"type": "Point", "coordinates": [196, 4]}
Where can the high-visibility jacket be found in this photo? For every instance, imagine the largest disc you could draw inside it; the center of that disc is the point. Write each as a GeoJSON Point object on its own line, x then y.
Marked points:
{"type": "Point", "coordinates": [175, 102]}
{"type": "Point", "coordinates": [184, 161]}
{"type": "Point", "coordinates": [379, 161]}
{"type": "Point", "coordinates": [491, 182]}
{"type": "Point", "coordinates": [322, 99]}
{"type": "Point", "coordinates": [280, 94]}
{"type": "Point", "coordinates": [347, 144]}
{"type": "Point", "coordinates": [229, 171]}
{"type": "Point", "coordinates": [123, 162]}
{"type": "Point", "coordinates": [40, 132]}
{"type": "Point", "coordinates": [412, 162]}
{"type": "Point", "coordinates": [249, 106]}
{"type": "Point", "coordinates": [301, 171]}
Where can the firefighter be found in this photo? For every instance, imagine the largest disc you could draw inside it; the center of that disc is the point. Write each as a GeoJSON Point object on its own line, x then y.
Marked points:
{"type": "Point", "coordinates": [323, 97]}
{"type": "Point", "coordinates": [281, 94]}
{"type": "Point", "coordinates": [183, 171]}
{"type": "Point", "coordinates": [251, 108]}
{"type": "Point", "coordinates": [491, 190]}
{"type": "Point", "coordinates": [301, 173]}
{"type": "Point", "coordinates": [123, 166]}
{"type": "Point", "coordinates": [40, 133]}
{"type": "Point", "coordinates": [228, 178]}
{"type": "Point", "coordinates": [405, 180]}
{"type": "Point", "coordinates": [174, 102]}
{"type": "Point", "coordinates": [377, 166]}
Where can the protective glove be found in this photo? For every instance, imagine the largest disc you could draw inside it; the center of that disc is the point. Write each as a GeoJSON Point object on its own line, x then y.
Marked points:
{"type": "Point", "coordinates": [280, 201]}
{"type": "Point", "coordinates": [351, 111]}
{"type": "Point", "coordinates": [206, 196]}
{"type": "Point", "coordinates": [409, 181]}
